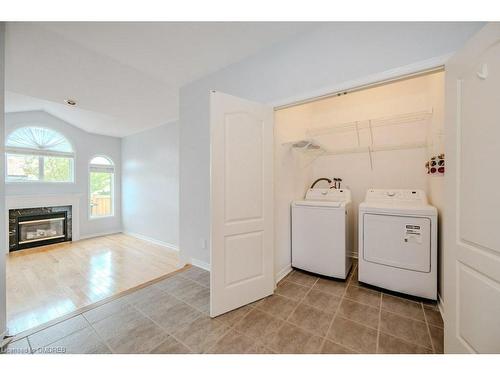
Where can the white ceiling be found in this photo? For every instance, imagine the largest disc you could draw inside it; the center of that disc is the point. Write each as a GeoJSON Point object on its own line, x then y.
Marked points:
{"type": "Point", "coordinates": [124, 76]}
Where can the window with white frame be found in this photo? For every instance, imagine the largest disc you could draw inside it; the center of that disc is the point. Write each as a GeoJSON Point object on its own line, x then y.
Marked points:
{"type": "Point", "coordinates": [38, 154]}
{"type": "Point", "coordinates": [101, 187]}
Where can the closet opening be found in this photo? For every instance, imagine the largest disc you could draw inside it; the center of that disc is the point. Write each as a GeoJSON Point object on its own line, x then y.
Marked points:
{"type": "Point", "coordinates": [386, 135]}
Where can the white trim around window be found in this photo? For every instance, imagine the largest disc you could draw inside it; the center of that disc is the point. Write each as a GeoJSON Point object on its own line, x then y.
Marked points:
{"type": "Point", "coordinates": [101, 164]}
{"type": "Point", "coordinates": [27, 151]}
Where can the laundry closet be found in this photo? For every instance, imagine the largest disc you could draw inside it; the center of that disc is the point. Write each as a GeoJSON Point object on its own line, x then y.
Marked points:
{"type": "Point", "coordinates": [387, 136]}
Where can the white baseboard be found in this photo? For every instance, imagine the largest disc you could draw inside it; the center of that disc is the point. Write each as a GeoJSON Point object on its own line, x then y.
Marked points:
{"type": "Point", "coordinates": [282, 273]}
{"type": "Point", "coordinates": [101, 234]}
{"type": "Point", "coordinates": [201, 264]}
{"type": "Point", "coordinates": [152, 240]}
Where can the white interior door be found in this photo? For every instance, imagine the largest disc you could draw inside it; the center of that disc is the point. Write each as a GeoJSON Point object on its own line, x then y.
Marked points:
{"type": "Point", "coordinates": [241, 202]}
{"type": "Point", "coordinates": [471, 225]}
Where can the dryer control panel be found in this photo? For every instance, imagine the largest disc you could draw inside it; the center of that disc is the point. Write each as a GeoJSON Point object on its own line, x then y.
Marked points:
{"type": "Point", "coordinates": [396, 195]}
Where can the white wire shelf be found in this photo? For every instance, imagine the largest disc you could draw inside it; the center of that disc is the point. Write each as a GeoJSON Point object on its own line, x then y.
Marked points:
{"type": "Point", "coordinates": [357, 150]}
{"type": "Point", "coordinates": [313, 135]}
{"type": "Point", "coordinates": [400, 119]}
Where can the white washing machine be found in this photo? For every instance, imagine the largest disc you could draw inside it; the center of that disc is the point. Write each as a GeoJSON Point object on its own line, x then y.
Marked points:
{"type": "Point", "coordinates": [320, 232]}
{"type": "Point", "coordinates": [398, 242]}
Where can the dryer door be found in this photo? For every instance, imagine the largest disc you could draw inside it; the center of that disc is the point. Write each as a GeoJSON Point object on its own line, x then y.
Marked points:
{"type": "Point", "coordinates": [397, 241]}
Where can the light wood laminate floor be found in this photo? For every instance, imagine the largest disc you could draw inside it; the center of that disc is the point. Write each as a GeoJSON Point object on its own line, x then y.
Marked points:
{"type": "Point", "coordinates": [49, 282]}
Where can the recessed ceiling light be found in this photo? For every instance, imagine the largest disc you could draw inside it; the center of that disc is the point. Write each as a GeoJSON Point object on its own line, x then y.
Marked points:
{"type": "Point", "coordinates": [71, 102]}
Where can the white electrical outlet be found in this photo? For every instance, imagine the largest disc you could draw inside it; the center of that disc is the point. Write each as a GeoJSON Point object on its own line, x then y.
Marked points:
{"type": "Point", "coordinates": [203, 243]}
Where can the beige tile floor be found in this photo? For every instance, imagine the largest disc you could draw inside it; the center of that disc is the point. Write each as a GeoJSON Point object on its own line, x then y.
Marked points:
{"type": "Point", "coordinates": [307, 314]}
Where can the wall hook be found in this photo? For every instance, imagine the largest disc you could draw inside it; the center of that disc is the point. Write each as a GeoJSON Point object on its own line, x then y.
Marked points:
{"type": "Point", "coordinates": [483, 74]}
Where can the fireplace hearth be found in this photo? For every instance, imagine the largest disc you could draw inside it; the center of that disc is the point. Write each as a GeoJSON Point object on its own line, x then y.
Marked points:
{"type": "Point", "coordinates": [32, 227]}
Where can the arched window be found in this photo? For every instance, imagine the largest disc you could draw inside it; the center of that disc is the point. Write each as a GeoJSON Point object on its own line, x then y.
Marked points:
{"type": "Point", "coordinates": [101, 187]}
{"type": "Point", "coordinates": [38, 154]}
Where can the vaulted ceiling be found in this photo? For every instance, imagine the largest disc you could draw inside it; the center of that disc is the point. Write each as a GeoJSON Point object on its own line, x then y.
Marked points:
{"type": "Point", "coordinates": [125, 77]}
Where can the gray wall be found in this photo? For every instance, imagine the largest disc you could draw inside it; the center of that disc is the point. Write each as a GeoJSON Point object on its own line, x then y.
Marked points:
{"type": "Point", "coordinates": [150, 184]}
{"type": "Point", "coordinates": [86, 146]}
{"type": "Point", "coordinates": [329, 56]}
{"type": "Point", "coordinates": [3, 306]}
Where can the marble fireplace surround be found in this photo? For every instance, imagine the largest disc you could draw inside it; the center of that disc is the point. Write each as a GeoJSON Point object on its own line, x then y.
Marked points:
{"type": "Point", "coordinates": [35, 201]}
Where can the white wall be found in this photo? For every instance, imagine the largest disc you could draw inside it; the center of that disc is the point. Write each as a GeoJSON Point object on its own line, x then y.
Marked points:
{"type": "Point", "coordinates": [3, 235]}
{"type": "Point", "coordinates": [292, 176]}
{"type": "Point", "coordinates": [150, 184]}
{"type": "Point", "coordinates": [404, 169]}
{"type": "Point", "coordinates": [86, 146]}
{"type": "Point", "coordinates": [309, 64]}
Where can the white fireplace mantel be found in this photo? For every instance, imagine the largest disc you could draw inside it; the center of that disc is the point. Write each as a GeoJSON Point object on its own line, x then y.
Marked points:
{"type": "Point", "coordinates": [32, 201]}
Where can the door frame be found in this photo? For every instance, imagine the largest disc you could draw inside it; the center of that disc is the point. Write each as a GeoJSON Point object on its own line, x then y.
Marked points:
{"type": "Point", "coordinates": [402, 73]}
{"type": "Point", "coordinates": [3, 224]}
{"type": "Point", "coordinates": [422, 68]}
